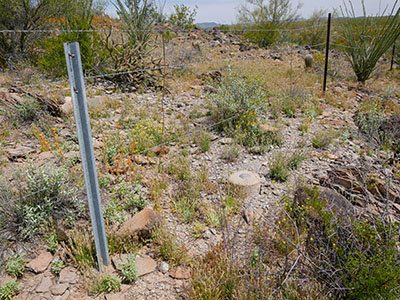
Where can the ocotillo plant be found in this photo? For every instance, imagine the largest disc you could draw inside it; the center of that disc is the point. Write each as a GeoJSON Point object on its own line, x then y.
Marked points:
{"type": "Point", "coordinates": [369, 37]}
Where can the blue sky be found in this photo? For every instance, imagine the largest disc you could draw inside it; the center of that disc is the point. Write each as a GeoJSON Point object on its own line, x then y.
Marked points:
{"type": "Point", "coordinates": [224, 11]}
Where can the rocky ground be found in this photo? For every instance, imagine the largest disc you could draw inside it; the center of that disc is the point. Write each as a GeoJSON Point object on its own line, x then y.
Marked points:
{"type": "Point", "coordinates": [337, 166]}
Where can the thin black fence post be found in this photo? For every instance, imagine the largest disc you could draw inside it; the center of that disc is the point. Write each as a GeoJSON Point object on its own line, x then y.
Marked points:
{"type": "Point", "coordinates": [393, 54]}
{"type": "Point", "coordinates": [328, 37]}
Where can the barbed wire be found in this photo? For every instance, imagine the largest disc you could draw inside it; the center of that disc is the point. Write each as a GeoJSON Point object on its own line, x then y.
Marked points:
{"type": "Point", "coordinates": [160, 30]}
{"type": "Point", "coordinates": [172, 66]}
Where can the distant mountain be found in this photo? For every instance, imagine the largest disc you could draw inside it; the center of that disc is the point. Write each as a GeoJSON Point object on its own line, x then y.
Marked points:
{"type": "Point", "coordinates": [207, 25]}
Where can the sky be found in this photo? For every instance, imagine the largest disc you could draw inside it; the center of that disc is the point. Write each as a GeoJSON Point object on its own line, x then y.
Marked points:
{"type": "Point", "coordinates": [224, 11]}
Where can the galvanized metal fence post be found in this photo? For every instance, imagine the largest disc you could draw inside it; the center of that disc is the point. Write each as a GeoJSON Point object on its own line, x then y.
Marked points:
{"type": "Point", "coordinates": [328, 37]}
{"type": "Point", "coordinates": [78, 93]}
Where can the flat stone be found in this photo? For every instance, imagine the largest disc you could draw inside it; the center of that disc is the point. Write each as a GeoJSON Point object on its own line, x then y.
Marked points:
{"type": "Point", "coordinates": [68, 275]}
{"type": "Point", "coordinates": [115, 296]}
{"type": "Point", "coordinates": [40, 263]}
{"type": "Point", "coordinates": [145, 265]}
{"type": "Point", "coordinates": [46, 155]}
{"type": "Point", "coordinates": [180, 272]}
{"type": "Point", "coordinates": [65, 296]}
{"type": "Point", "coordinates": [267, 128]}
{"type": "Point", "coordinates": [44, 285]}
{"type": "Point", "coordinates": [19, 152]}
{"type": "Point", "coordinates": [59, 289]}
{"type": "Point", "coordinates": [246, 181]}
{"type": "Point", "coordinates": [140, 224]}
{"type": "Point", "coordinates": [226, 141]}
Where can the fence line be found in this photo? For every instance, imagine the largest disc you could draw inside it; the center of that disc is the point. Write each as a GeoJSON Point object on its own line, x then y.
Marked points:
{"type": "Point", "coordinates": [172, 66]}
{"type": "Point", "coordinates": [161, 30]}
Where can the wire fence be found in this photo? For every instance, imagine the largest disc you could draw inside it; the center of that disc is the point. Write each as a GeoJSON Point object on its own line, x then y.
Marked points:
{"type": "Point", "coordinates": [289, 54]}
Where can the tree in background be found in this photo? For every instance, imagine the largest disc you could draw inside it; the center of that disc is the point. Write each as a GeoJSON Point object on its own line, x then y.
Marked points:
{"type": "Point", "coordinates": [183, 16]}
{"type": "Point", "coordinates": [262, 18]}
{"type": "Point", "coordinates": [24, 15]}
{"type": "Point", "coordinates": [31, 15]}
{"type": "Point", "coordinates": [316, 34]}
{"type": "Point", "coordinates": [368, 38]}
{"type": "Point", "coordinates": [271, 11]}
{"type": "Point", "coordinates": [79, 17]}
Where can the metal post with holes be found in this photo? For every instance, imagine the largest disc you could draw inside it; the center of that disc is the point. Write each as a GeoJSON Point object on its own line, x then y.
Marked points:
{"type": "Point", "coordinates": [328, 37]}
{"type": "Point", "coordinates": [78, 93]}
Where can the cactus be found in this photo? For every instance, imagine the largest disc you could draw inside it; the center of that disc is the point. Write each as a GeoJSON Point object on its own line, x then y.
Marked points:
{"type": "Point", "coordinates": [308, 59]}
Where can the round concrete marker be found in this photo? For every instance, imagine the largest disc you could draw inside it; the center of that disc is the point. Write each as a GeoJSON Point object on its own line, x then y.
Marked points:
{"type": "Point", "coordinates": [246, 181]}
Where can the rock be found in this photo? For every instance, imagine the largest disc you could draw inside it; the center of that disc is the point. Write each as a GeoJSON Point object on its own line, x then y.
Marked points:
{"type": "Point", "coordinates": [143, 160]}
{"type": "Point", "coordinates": [161, 150]}
{"type": "Point", "coordinates": [267, 128]}
{"type": "Point", "coordinates": [94, 102]}
{"type": "Point", "coordinates": [59, 289]}
{"type": "Point", "coordinates": [65, 296]}
{"type": "Point", "coordinates": [246, 181]}
{"type": "Point", "coordinates": [19, 152]}
{"type": "Point", "coordinates": [67, 107]}
{"type": "Point", "coordinates": [44, 285]}
{"type": "Point", "coordinates": [115, 296]}
{"type": "Point", "coordinates": [164, 267]}
{"type": "Point", "coordinates": [145, 265]}
{"type": "Point", "coordinates": [72, 154]}
{"type": "Point", "coordinates": [40, 263]}
{"type": "Point", "coordinates": [68, 275]}
{"type": "Point", "coordinates": [244, 48]}
{"type": "Point", "coordinates": [226, 141]}
{"type": "Point", "coordinates": [180, 272]}
{"type": "Point", "coordinates": [140, 224]}
{"type": "Point", "coordinates": [46, 155]}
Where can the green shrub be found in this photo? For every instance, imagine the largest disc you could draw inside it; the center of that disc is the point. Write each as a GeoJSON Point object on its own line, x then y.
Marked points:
{"type": "Point", "coordinates": [15, 265]}
{"type": "Point", "coordinates": [52, 242]}
{"type": "Point", "coordinates": [262, 35]}
{"type": "Point", "coordinates": [93, 54]}
{"type": "Point", "coordinates": [356, 256]}
{"type": "Point", "coordinates": [168, 247]}
{"type": "Point", "coordinates": [113, 213]}
{"type": "Point", "coordinates": [203, 139]}
{"type": "Point", "coordinates": [182, 16]}
{"type": "Point", "coordinates": [57, 265]}
{"type": "Point", "coordinates": [281, 164]}
{"type": "Point", "coordinates": [322, 139]}
{"type": "Point", "coordinates": [136, 199]}
{"type": "Point", "coordinates": [128, 269]}
{"type": "Point", "coordinates": [107, 284]}
{"type": "Point", "coordinates": [239, 101]}
{"type": "Point", "coordinates": [9, 289]}
{"type": "Point", "coordinates": [278, 167]}
{"type": "Point", "coordinates": [44, 194]}
{"type": "Point", "coordinates": [28, 110]}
